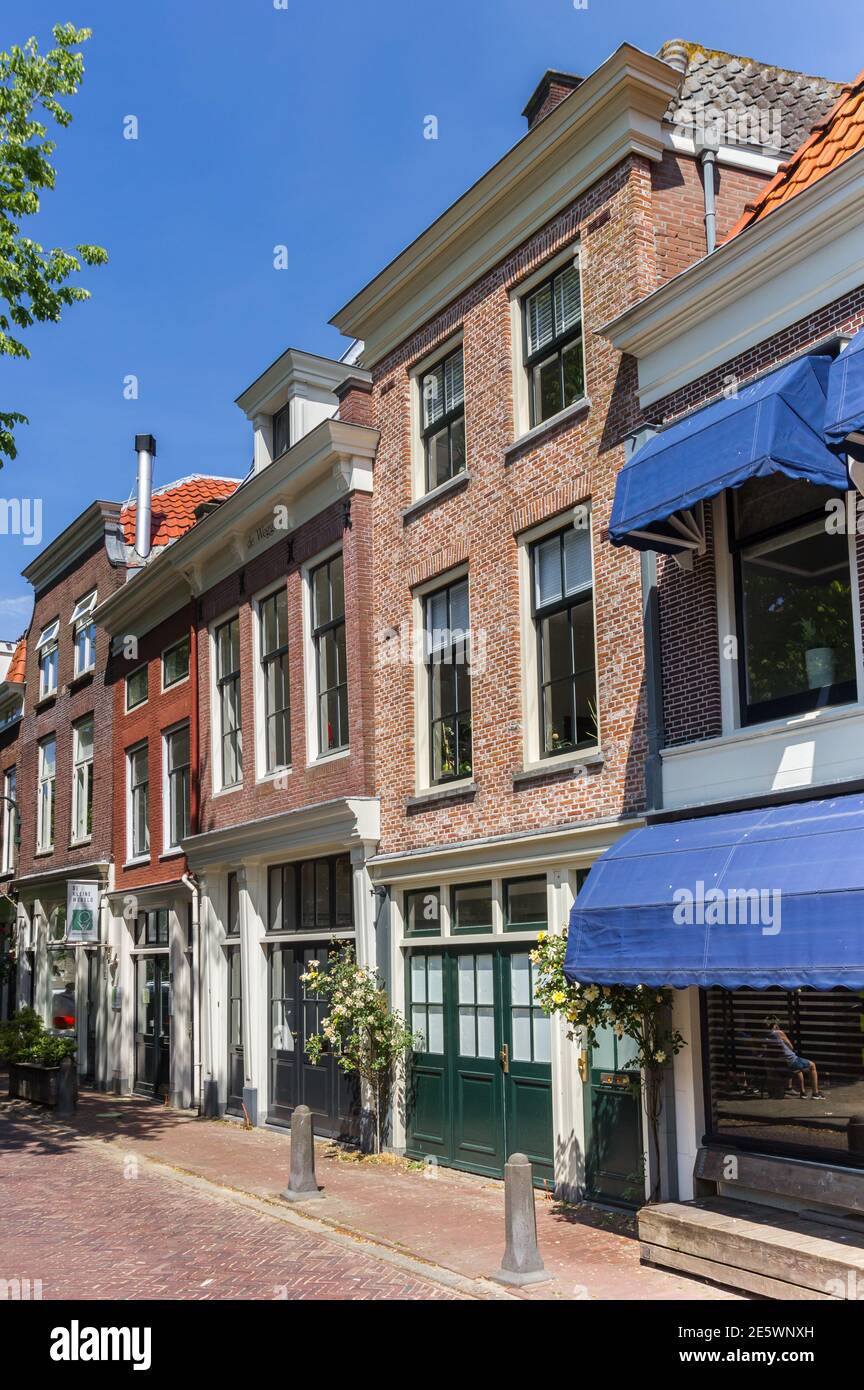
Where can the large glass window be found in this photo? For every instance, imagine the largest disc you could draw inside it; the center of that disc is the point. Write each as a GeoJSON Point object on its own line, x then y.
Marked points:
{"type": "Point", "coordinates": [793, 594]}
{"type": "Point", "coordinates": [422, 912]}
{"type": "Point", "coordinates": [139, 795]}
{"type": "Point", "coordinates": [47, 649]}
{"type": "Point", "coordinates": [82, 779]}
{"type": "Point", "coordinates": [448, 658]}
{"type": "Point", "coordinates": [442, 391]}
{"type": "Point", "coordinates": [525, 904]}
{"type": "Point", "coordinates": [563, 596]}
{"type": "Point", "coordinates": [177, 785]}
{"type": "Point", "coordinates": [312, 895]}
{"type": "Point", "coordinates": [46, 797]}
{"type": "Point", "coordinates": [273, 628]}
{"type": "Point", "coordinates": [786, 1069]}
{"type": "Point", "coordinates": [84, 630]}
{"type": "Point", "coordinates": [153, 927]}
{"type": "Point", "coordinates": [331, 665]}
{"type": "Point", "coordinates": [553, 344]}
{"type": "Point", "coordinates": [471, 907]}
{"type": "Point", "coordinates": [228, 694]}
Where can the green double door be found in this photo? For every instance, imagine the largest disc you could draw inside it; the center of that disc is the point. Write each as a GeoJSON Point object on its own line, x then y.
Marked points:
{"type": "Point", "coordinates": [481, 1083]}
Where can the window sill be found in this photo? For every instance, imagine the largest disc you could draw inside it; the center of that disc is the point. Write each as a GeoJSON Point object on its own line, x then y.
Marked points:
{"type": "Point", "coordinates": [450, 791]}
{"type": "Point", "coordinates": [45, 702]}
{"type": "Point", "coordinates": [79, 844]}
{"type": "Point", "coordinates": [226, 791]}
{"type": "Point", "coordinates": [568, 764]}
{"type": "Point", "coordinates": [78, 682]}
{"type": "Point", "coordinates": [44, 853]}
{"type": "Point", "coordinates": [539, 432]}
{"type": "Point", "coordinates": [269, 777]}
{"type": "Point", "coordinates": [170, 854]}
{"type": "Point", "coordinates": [795, 723]}
{"type": "Point", "coordinates": [138, 863]}
{"type": "Point", "coordinates": [329, 757]}
{"type": "Point", "coordinates": [438, 494]}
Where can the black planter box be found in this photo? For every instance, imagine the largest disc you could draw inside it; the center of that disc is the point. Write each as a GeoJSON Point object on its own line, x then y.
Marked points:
{"type": "Point", "coordinates": [29, 1081]}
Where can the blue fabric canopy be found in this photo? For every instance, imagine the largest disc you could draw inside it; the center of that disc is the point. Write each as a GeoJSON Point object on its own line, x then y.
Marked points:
{"type": "Point", "coordinates": [773, 426]}
{"type": "Point", "coordinates": [773, 896]}
{"type": "Point", "coordinates": [844, 413]}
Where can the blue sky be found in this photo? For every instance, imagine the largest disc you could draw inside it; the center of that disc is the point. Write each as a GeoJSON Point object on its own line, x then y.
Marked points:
{"type": "Point", "coordinates": [261, 126]}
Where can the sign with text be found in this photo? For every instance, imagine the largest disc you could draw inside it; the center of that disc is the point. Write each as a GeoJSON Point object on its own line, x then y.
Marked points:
{"type": "Point", "coordinates": [82, 912]}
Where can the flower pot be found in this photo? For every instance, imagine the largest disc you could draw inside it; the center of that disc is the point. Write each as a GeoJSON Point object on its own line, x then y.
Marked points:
{"type": "Point", "coordinates": [820, 663]}
{"type": "Point", "coordinates": [39, 1085]}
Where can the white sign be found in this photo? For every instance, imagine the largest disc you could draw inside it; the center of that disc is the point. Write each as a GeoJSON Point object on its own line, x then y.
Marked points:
{"type": "Point", "coordinates": [82, 912]}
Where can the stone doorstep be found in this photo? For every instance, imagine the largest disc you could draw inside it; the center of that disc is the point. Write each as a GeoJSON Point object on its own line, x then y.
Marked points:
{"type": "Point", "coordinates": [761, 1249]}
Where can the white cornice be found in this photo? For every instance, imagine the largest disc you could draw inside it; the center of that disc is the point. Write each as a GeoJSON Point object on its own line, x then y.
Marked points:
{"type": "Point", "coordinates": [317, 829]}
{"type": "Point", "coordinates": [150, 595]}
{"type": "Point", "coordinates": [293, 371]}
{"type": "Point", "coordinates": [83, 533]}
{"type": "Point", "coordinates": [615, 112]}
{"type": "Point", "coordinates": [796, 260]}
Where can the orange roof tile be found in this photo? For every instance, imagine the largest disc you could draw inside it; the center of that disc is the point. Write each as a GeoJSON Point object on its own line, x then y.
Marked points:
{"type": "Point", "coordinates": [15, 674]}
{"type": "Point", "coordinates": [173, 507]}
{"type": "Point", "coordinates": [834, 139]}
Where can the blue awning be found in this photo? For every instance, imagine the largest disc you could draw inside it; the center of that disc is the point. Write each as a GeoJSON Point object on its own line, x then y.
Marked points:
{"type": "Point", "coordinates": [773, 896]}
{"type": "Point", "coordinates": [844, 414]}
{"type": "Point", "coordinates": [773, 426]}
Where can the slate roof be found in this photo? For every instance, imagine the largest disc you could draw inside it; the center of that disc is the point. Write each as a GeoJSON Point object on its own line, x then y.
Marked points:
{"type": "Point", "coordinates": [791, 101]}
{"type": "Point", "coordinates": [173, 507]}
{"type": "Point", "coordinates": [832, 141]}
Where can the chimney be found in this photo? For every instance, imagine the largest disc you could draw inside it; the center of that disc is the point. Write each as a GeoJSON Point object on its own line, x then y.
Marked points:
{"type": "Point", "coordinates": [145, 448]}
{"type": "Point", "coordinates": [354, 395]}
{"type": "Point", "coordinates": [550, 91]}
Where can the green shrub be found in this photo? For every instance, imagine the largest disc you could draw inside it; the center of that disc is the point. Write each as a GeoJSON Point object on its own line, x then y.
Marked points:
{"type": "Point", "coordinates": [24, 1039]}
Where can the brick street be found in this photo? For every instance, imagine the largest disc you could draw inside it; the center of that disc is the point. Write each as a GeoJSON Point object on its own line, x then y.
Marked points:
{"type": "Point", "coordinates": [88, 1228]}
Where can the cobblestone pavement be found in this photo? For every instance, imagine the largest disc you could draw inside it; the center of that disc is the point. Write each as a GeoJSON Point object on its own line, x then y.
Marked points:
{"type": "Point", "coordinates": [90, 1225]}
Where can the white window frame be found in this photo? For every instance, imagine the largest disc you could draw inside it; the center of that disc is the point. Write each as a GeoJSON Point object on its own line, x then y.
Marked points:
{"type": "Point", "coordinates": [46, 791]}
{"type": "Point", "coordinates": [531, 715]}
{"type": "Point", "coordinates": [130, 709]}
{"type": "Point", "coordinates": [78, 791]}
{"type": "Point", "coordinates": [10, 785]}
{"type": "Point", "coordinates": [82, 623]}
{"type": "Point", "coordinates": [730, 712]}
{"type": "Point", "coordinates": [418, 371]}
{"type": "Point", "coordinates": [218, 787]}
{"type": "Point", "coordinates": [134, 856]}
{"type": "Point", "coordinates": [48, 647]}
{"type": "Point", "coordinates": [172, 685]}
{"type": "Point", "coordinates": [168, 846]}
{"type": "Point", "coordinates": [260, 692]}
{"type": "Point", "coordinates": [310, 674]}
{"type": "Point", "coordinates": [522, 426]}
{"type": "Point", "coordinates": [422, 751]}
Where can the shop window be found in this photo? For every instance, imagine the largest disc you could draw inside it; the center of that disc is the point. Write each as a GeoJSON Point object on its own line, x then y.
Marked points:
{"type": "Point", "coordinates": [767, 1052]}
{"type": "Point", "coordinates": [525, 906]}
{"type": "Point", "coordinates": [793, 600]}
{"type": "Point", "coordinates": [312, 895]}
{"type": "Point", "coordinates": [471, 907]}
{"type": "Point", "coordinates": [422, 912]}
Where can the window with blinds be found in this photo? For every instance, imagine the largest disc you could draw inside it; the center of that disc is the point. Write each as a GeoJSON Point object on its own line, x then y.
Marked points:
{"type": "Point", "coordinates": [442, 391]}
{"type": "Point", "coordinates": [765, 1052]}
{"type": "Point", "coordinates": [563, 592]}
{"type": "Point", "coordinates": [553, 344]}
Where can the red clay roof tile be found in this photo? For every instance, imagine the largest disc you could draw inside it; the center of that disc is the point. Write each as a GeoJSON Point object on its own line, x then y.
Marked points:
{"type": "Point", "coordinates": [173, 507]}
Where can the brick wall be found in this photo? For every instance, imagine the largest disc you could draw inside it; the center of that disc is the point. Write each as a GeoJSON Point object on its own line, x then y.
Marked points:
{"type": "Point", "coordinates": [149, 721]}
{"type": "Point", "coordinates": [305, 785]}
{"type": "Point", "coordinates": [678, 200]}
{"type": "Point", "coordinates": [73, 701]}
{"type": "Point", "coordinates": [10, 753]}
{"type": "Point", "coordinates": [688, 603]}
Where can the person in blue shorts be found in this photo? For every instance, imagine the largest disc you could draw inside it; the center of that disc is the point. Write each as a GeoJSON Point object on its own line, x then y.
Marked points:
{"type": "Point", "coordinates": [796, 1064]}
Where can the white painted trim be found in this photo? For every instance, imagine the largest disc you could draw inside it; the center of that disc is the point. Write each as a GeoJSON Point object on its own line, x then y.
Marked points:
{"type": "Point", "coordinates": [735, 156]}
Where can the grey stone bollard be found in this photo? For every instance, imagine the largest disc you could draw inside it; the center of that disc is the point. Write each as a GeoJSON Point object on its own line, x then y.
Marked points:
{"type": "Point", "coordinates": [301, 1178]}
{"type": "Point", "coordinates": [521, 1263]}
{"type": "Point", "coordinates": [66, 1090]}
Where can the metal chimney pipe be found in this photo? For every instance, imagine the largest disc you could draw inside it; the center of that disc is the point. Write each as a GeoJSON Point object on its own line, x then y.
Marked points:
{"type": "Point", "coordinates": [145, 448]}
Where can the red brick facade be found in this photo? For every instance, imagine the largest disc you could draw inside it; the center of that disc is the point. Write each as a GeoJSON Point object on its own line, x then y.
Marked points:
{"type": "Point", "coordinates": [352, 775]}
{"type": "Point", "coordinates": [164, 709]}
{"type": "Point", "coordinates": [624, 238]}
{"type": "Point", "coordinates": [56, 715]}
{"type": "Point", "coordinates": [678, 201]}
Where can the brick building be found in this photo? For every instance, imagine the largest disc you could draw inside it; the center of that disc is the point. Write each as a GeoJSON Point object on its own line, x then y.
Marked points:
{"type": "Point", "coordinates": [758, 637]}
{"type": "Point", "coordinates": [512, 721]}
{"type": "Point", "coordinates": [13, 656]}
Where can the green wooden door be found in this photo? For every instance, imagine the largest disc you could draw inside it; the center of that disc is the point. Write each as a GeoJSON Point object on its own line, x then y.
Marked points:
{"type": "Point", "coordinates": [480, 1086]}
{"type": "Point", "coordinates": [613, 1123]}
